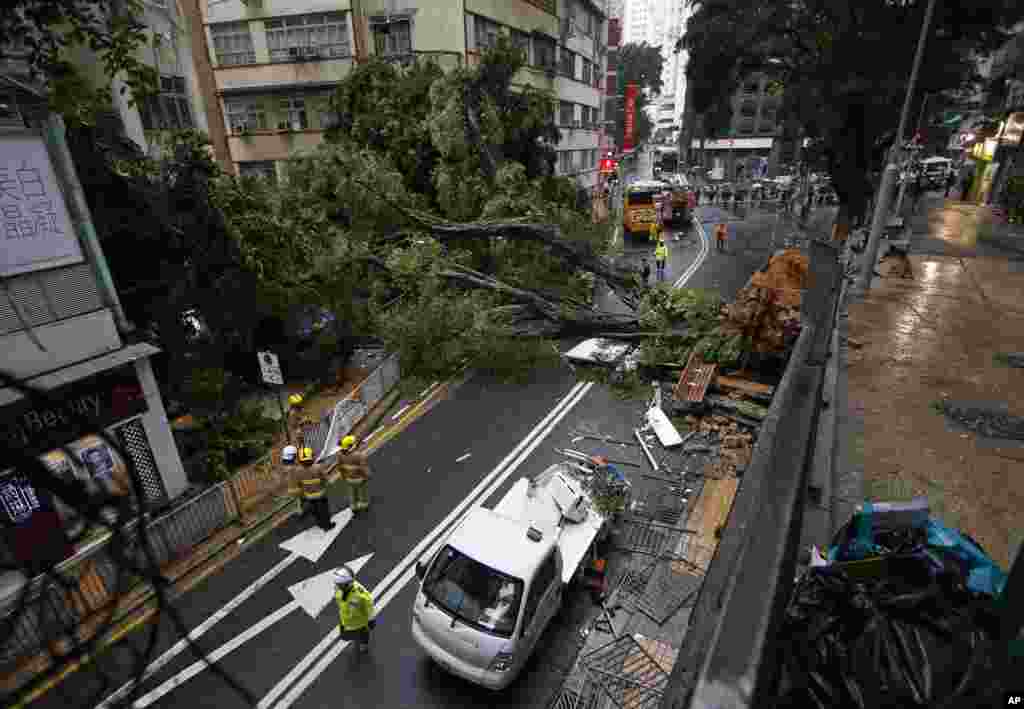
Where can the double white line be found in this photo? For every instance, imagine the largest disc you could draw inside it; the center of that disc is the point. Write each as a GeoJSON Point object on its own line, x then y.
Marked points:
{"type": "Point", "coordinates": [326, 651]}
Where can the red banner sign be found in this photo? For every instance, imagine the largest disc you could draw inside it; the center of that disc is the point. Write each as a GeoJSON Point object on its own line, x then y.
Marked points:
{"type": "Point", "coordinates": [614, 32]}
{"type": "Point", "coordinates": [607, 166]}
{"type": "Point", "coordinates": [630, 121]}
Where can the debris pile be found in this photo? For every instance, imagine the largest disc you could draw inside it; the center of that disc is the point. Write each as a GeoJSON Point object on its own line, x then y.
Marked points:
{"type": "Point", "coordinates": [766, 312]}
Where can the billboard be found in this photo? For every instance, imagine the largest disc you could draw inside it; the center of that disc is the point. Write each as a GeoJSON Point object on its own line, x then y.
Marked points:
{"type": "Point", "coordinates": [37, 230]}
{"type": "Point", "coordinates": [629, 128]}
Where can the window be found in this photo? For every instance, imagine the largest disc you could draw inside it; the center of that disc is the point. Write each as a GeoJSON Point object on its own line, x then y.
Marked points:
{"type": "Point", "coordinates": [232, 43]}
{"type": "Point", "coordinates": [168, 110]}
{"type": "Point", "coordinates": [521, 41]}
{"type": "Point", "coordinates": [746, 126]}
{"type": "Point", "coordinates": [544, 52]}
{"type": "Point", "coordinates": [587, 78]}
{"type": "Point", "coordinates": [392, 37]}
{"type": "Point", "coordinates": [584, 116]}
{"type": "Point", "coordinates": [294, 109]}
{"type": "Point", "coordinates": [244, 114]}
{"type": "Point", "coordinates": [565, 162]}
{"type": "Point", "coordinates": [486, 32]}
{"type": "Point", "coordinates": [748, 108]}
{"type": "Point", "coordinates": [750, 87]}
{"type": "Point", "coordinates": [566, 113]}
{"type": "Point", "coordinates": [323, 34]}
{"type": "Point", "coordinates": [584, 19]}
{"type": "Point", "coordinates": [475, 594]}
{"type": "Point", "coordinates": [258, 168]}
{"type": "Point", "coordinates": [567, 63]}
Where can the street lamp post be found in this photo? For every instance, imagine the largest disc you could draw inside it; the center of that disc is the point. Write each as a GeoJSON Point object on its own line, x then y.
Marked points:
{"type": "Point", "coordinates": [891, 169]}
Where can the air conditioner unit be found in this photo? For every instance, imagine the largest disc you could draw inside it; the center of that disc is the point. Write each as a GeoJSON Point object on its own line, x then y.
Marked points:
{"type": "Point", "coordinates": [311, 52]}
{"type": "Point", "coordinates": [294, 51]}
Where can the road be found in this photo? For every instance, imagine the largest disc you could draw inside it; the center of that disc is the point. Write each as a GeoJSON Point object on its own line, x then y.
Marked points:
{"type": "Point", "coordinates": [507, 431]}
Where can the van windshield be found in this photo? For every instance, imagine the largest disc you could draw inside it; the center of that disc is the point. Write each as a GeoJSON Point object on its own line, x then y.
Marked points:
{"type": "Point", "coordinates": [639, 198]}
{"type": "Point", "coordinates": [475, 594]}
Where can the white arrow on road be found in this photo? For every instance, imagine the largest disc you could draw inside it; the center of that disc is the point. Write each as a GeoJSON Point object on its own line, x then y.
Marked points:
{"type": "Point", "coordinates": [316, 592]}
{"type": "Point", "coordinates": [314, 595]}
{"type": "Point", "coordinates": [314, 541]}
{"type": "Point", "coordinates": [310, 544]}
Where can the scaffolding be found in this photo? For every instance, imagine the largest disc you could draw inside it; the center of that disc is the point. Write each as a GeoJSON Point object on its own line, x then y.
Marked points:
{"type": "Point", "coordinates": [625, 673]}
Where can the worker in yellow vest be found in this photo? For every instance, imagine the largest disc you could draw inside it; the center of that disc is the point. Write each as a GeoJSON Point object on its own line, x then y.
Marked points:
{"type": "Point", "coordinates": [655, 231]}
{"type": "Point", "coordinates": [356, 614]}
{"type": "Point", "coordinates": [660, 258]}
{"type": "Point", "coordinates": [355, 470]}
{"type": "Point", "coordinates": [314, 490]}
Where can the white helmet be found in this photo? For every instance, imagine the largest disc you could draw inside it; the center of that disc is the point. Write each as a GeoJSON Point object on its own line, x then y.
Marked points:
{"type": "Point", "coordinates": [343, 576]}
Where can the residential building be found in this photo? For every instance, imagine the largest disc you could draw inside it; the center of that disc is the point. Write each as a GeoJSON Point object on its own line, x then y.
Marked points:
{"type": "Point", "coordinates": [753, 134]}
{"type": "Point", "coordinates": [63, 332]}
{"type": "Point", "coordinates": [168, 50]}
{"type": "Point", "coordinates": [277, 62]}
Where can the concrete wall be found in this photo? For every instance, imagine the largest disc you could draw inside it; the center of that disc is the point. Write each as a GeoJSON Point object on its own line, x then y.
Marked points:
{"type": "Point", "coordinates": [233, 10]}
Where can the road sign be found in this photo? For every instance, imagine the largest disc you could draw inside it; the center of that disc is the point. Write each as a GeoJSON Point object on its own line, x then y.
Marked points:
{"type": "Point", "coordinates": [270, 368]}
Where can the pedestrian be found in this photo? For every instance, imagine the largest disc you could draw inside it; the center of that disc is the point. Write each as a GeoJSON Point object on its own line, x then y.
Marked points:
{"type": "Point", "coordinates": [660, 257]}
{"type": "Point", "coordinates": [721, 234]}
{"type": "Point", "coordinates": [314, 492]}
{"type": "Point", "coordinates": [647, 272]}
{"type": "Point", "coordinates": [356, 614]}
{"type": "Point", "coordinates": [355, 469]}
{"type": "Point", "coordinates": [950, 182]}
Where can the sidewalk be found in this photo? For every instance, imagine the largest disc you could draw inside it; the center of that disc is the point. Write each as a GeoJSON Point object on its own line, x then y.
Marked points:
{"type": "Point", "coordinates": [915, 343]}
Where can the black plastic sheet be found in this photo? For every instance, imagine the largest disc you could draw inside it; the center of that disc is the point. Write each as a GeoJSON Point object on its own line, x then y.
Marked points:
{"type": "Point", "coordinates": [908, 638]}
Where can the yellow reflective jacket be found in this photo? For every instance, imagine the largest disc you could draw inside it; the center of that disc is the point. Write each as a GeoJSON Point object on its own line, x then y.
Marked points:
{"type": "Point", "coordinates": [354, 467]}
{"type": "Point", "coordinates": [661, 253]}
{"type": "Point", "coordinates": [355, 608]}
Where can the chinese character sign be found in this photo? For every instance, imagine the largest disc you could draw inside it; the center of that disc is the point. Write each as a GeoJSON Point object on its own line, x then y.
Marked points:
{"type": "Point", "coordinates": [630, 122]}
{"type": "Point", "coordinates": [18, 498]}
{"type": "Point", "coordinates": [35, 229]}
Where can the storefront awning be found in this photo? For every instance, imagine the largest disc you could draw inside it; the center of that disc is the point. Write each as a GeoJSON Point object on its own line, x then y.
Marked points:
{"type": "Point", "coordinates": [736, 144]}
{"type": "Point", "coordinates": [82, 370]}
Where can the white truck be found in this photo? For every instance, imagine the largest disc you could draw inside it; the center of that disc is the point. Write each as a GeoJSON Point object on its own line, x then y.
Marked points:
{"type": "Point", "coordinates": [485, 598]}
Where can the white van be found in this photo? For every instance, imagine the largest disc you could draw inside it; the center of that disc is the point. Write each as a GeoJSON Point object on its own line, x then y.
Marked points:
{"type": "Point", "coordinates": [488, 594]}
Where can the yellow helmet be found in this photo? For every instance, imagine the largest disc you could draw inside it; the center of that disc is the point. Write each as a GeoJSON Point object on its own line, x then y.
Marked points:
{"type": "Point", "coordinates": [295, 399]}
{"type": "Point", "coordinates": [348, 443]}
{"type": "Point", "coordinates": [306, 454]}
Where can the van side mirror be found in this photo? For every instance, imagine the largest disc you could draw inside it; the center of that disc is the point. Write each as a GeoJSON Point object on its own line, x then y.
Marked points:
{"type": "Point", "coordinates": [421, 569]}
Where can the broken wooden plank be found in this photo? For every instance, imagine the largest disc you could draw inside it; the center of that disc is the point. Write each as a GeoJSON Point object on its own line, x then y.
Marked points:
{"type": "Point", "coordinates": [741, 408]}
{"type": "Point", "coordinates": [744, 385]}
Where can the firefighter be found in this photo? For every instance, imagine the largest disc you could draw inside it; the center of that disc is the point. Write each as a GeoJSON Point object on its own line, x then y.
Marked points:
{"type": "Point", "coordinates": [355, 608]}
{"type": "Point", "coordinates": [289, 459]}
{"type": "Point", "coordinates": [314, 490]}
{"type": "Point", "coordinates": [355, 469]}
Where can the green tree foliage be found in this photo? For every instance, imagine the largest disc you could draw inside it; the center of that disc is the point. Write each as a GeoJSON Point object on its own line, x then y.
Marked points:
{"type": "Point", "coordinates": [430, 219]}
{"type": "Point", "coordinates": [40, 33]}
{"type": "Point", "coordinates": [640, 64]}
{"type": "Point", "coordinates": [844, 66]}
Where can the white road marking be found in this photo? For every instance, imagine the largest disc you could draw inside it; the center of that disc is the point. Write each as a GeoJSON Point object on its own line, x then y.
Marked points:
{"type": "Point", "coordinates": [313, 542]}
{"type": "Point", "coordinates": [384, 592]}
{"type": "Point", "coordinates": [203, 663]}
{"type": "Point", "coordinates": [315, 593]}
{"type": "Point", "coordinates": [699, 261]}
{"type": "Point", "coordinates": [200, 629]}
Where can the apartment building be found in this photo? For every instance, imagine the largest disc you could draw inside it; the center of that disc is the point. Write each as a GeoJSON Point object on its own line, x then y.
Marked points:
{"type": "Point", "coordinates": [753, 134]}
{"type": "Point", "coordinates": [276, 63]}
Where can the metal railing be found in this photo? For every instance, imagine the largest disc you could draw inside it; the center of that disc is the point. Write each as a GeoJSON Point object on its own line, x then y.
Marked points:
{"type": "Point", "coordinates": [350, 410]}
{"type": "Point", "coordinates": [87, 585]}
{"type": "Point", "coordinates": [727, 657]}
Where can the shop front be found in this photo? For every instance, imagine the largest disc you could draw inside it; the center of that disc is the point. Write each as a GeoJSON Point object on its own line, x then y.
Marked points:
{"type": "Point", "coordinates": [736, 158]}
{"type": "Point", "coordinates": [61, 430]}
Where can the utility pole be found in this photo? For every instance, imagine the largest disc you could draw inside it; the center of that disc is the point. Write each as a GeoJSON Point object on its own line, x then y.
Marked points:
{"type": "Point", "coordinates": [881, 214]}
